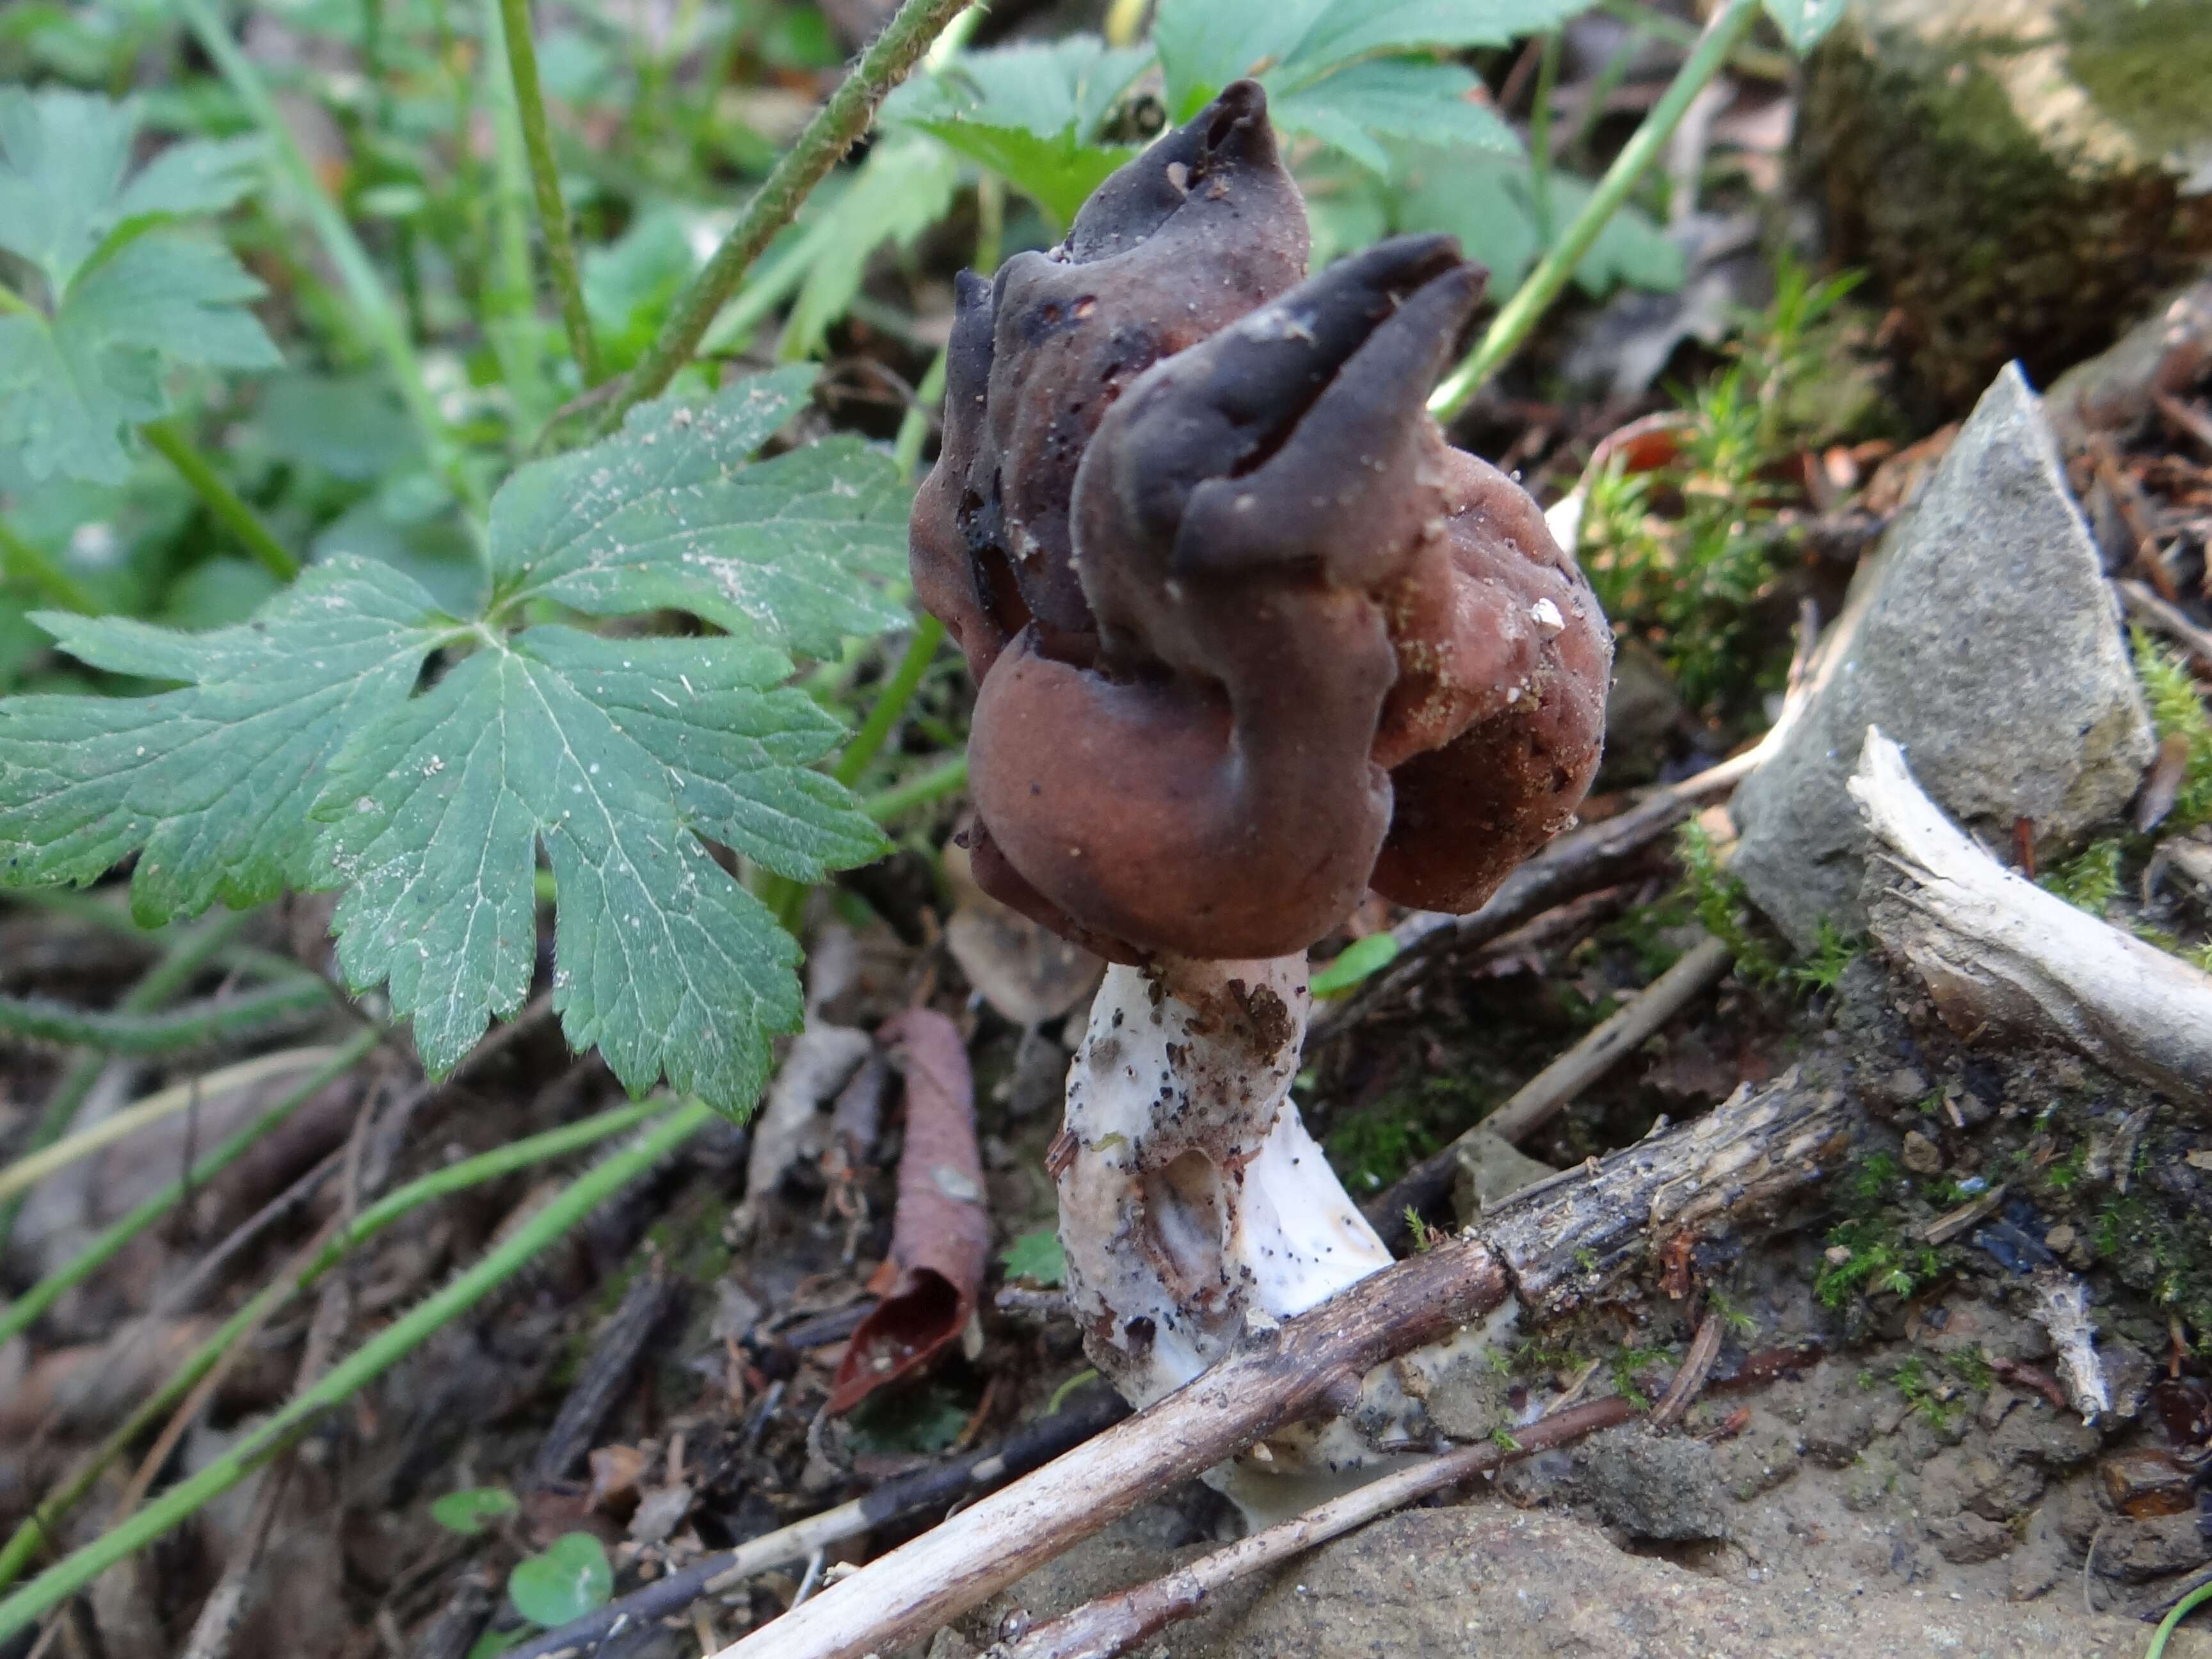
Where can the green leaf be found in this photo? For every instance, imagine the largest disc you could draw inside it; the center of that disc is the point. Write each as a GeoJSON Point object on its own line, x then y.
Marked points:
{"type": "Point", "coordinates": [1488, 202]}
{"type": "Point", "coordinates": [903, 189]}
{"type": "Point", "coordinates": [209, 785]}
{"type": "Point", "coordinates": [629, 284]}
{"type": "Point", "coordinates": [1394, 98]}
{"type": "Point", "coordinates": [1032, 114]}
{"type": "Point", "coordinates": [614, 755]}
{"type": "Point", "coordinates": [124, 298]}
{"type": "Point", "coordinates": [471, 1511]}
{"type": "Point", "coordinates": [1803, 23]}
{"type": "Point", "coordinates": [1206, 44]}
{"type": "Point", "coordinates": [665, 514]}
{"type": "Point", "coordinates": [350, 426]}
{"type": "Point", "coordinates": [63, 156]}
{"type": "Point", "coordinates": [1357, 28]}
{"type": "Point", "coordinates": [68, 387]}
{"type": "Point", "coordinates": [567, 1579]}
{"type": "Point", "coordinates": [298, 750]}
{"type": "Point", "coordinates": [1356, 963]}
{"type": "Point", "coordinates": [1036, 1256]}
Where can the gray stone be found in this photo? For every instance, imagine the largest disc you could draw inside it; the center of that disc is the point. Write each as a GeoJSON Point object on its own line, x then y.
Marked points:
{"type": "Point", "coordinates": [1982, 638]}
{"type": "Point", "coordinates": [1491, 1167]}
{"type": "Point", "coordinates": [1493, 1583]}
{"type": "Point", "coordinates": [1654, 1486]}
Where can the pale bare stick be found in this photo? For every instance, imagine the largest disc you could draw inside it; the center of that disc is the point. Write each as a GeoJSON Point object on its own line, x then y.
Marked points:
{"type": "Point", "coordinates": [1999, 954]}
{"type": "Point", "coordinates": [1563, 1241]}
{"type": "Point", "coordinates": [1114, 1624]}
{"type": "Point", "coordinates": [1541, 1099]}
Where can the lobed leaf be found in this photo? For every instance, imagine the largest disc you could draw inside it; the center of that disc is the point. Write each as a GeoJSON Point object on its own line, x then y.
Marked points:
{"type": "Point", "coordinates": [665, 514]}
{"type": "Point", "coordinates": [613, 755]}
{"type": "Point", "coordinates": [296, 751]}
{"type": "Point", "coordinates": [1347, 29]}
{"type": "Point", "coordinates": [209, 784]}
{"type": "Point", "coordinates": [1206, 44]}
{"type": "Point", "coordinates": [1031, 113]}
{"type": "Point", "coordinates": [69, 387]}
{"type": "Point", "coordinates": [62, 158]}
{"type": "Point", "coordinates": [124, 298]}
{"type": "Point", "coordinates": [1358, 108]}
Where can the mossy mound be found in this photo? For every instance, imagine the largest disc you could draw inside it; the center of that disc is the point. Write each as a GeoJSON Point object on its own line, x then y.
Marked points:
{"type": "Point", "coordinates": [2022, 176]}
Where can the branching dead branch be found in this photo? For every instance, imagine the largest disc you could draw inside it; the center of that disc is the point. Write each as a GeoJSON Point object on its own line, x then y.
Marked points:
{"type": "Point", "coordinates": [1710, 1184]}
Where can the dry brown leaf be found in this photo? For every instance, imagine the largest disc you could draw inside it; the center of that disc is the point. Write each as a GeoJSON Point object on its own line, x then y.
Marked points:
{"type": "Point", "coordinates": [940, 1235]}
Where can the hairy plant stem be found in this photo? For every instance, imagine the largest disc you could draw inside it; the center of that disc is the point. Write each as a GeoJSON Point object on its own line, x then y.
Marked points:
{"type": "Point", "coordinates": [833, 129]}
{"type": "Point", "coordinates": [948, 777]}
{"type": "Point", "coordinates": [187, 954]}
{"type": "Point", "coordinates": [545, 183]}
{"type": "Point", "coordinates": [169, 441]}
{"type": "Point", "coordinates": [1519, 315]}
{"type": "Point", "coordinates": [363, 285]}
{"type": "Point", "coordinates": [509, 306]}
{"type": "Point", "coordinates": [890, 704]}
{"type": "Point", "coordinates": [284, 1428]}
{"type": "Point", "coordinates": [18, 1314]}
{"type": "Point", "coordinates": [125, 1031]}
{"type": "Point", "coordinates": [19, 559]}
{"type": "Point", "coordinates": [506, 1160]}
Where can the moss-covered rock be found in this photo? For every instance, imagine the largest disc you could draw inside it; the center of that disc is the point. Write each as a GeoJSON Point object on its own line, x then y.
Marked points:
{"type": "Point", "coordinates": [2022, 175]}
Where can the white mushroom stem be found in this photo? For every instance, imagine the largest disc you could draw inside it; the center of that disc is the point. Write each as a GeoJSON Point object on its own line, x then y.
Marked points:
{"type": "Point", "coordinates": [1194, 1206]}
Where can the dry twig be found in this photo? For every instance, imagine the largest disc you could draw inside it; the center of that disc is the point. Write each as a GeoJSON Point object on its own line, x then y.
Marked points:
{"type": "Point", "coordinates": [1114, 1624]}
{"type": "Point", "coordinates": [1560, 1243]}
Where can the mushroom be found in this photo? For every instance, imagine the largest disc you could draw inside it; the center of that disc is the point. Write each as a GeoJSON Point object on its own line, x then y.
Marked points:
{"type": "Point", "coordinates": [1249, 638]}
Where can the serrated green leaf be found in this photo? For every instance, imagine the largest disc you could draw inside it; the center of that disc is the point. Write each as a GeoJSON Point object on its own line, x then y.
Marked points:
{"type": "Point", "coordinates": [1393, 97]}
{"type": "Point", "coordinates": [209, 784]}
{"type": "Point", "coordinates": [565, 1580]}
{"type": "Point", "coordinates": [1803, 23]}
{"type": "Point", "coordinates": [614, 755]}
{"type": "Point", "coordinates": [1348, 29]}
{"type": "Point", "coordinates": [1069, 86]}
{"type": "Point", "coordinates": [296, 751]}
{"type": "Point", "coordinates": [666, 514]}
{"type": "Point", "coordinates": [69, 387]}
{"type": "Point", "coordinates": [1487, 201]}
{"type": "Point", "coordinates": [1204, 45]}
{"type": "Point", "coordinates": [1030, 113]}
{"type": "Point", "coordinates": [903, 189]}
{"type": "Point", "coordinates": [63, 157]}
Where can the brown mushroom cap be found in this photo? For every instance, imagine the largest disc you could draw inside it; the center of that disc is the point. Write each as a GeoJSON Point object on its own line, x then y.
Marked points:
{"type": "Point", "coordinates": [1249, 635]}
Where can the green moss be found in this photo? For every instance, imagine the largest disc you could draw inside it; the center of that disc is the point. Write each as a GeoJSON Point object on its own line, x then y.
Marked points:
{"type": "Point", "coordinates": [1373, 1147]}
{"type": "Point", "coordinates": [2090, 880]}
{"type": "Point", "coordinates": [1941, 1401]}
{"type": "Point", "coordinates": [1680, 555]}
{"type": "Point", "coordinates": [1724, 906]}
{"type": "Point", "coordinates": [2178, 711]}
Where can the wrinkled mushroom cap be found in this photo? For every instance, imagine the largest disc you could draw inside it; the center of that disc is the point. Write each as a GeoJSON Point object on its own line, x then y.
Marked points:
{"type": "Point", "coordinates": [1249, 635]}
